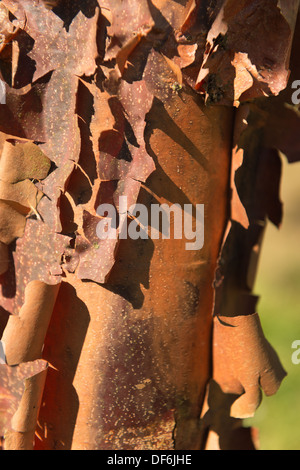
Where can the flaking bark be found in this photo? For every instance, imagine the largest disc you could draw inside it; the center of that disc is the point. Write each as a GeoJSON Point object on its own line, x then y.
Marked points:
{"type": "Point", "coordinates": [137, 344]}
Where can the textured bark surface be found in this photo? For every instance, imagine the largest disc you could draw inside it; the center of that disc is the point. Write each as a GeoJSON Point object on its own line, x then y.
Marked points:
{"type": "Point", "coordinates": [138, 344]}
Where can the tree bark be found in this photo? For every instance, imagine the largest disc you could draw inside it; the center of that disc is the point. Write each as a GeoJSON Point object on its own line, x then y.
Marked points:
{"type": "Point", "coordinates": [137, 344]}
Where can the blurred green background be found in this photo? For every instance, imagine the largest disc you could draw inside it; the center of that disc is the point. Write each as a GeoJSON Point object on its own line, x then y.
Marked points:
{"type": "Point", "coordinates": [278, 284]}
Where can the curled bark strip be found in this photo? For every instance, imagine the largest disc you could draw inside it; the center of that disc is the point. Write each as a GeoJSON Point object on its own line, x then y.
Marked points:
{"type": "Point", "coordinates": [25, 333]}
{"type": "Point", "coordinates": [244, 363]}
{"type": "Point", "coordinates": [244, 366]}
{"type": "Point", "coordinates": [21, 386]}
{"type": "Point", "coordinates": [223, 431]}
{"type": "Point", "coordinates": [23, 340]}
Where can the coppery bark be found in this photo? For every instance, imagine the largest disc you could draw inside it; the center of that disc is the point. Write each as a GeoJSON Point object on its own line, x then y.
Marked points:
{"type": "Point", "coordinates": [145, 345]}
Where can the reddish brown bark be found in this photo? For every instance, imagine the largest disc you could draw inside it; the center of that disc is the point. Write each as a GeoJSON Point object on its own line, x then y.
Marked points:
{"type": "Point", "coordinates": [146, 345]}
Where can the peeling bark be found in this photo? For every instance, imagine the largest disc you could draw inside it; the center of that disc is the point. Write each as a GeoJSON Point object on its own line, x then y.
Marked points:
{"type": "Point", "coordinates": [138, 344]}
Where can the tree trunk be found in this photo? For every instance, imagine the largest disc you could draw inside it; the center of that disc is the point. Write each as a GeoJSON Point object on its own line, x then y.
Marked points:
{"type": "Point", "coordinates": [143, 343]}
